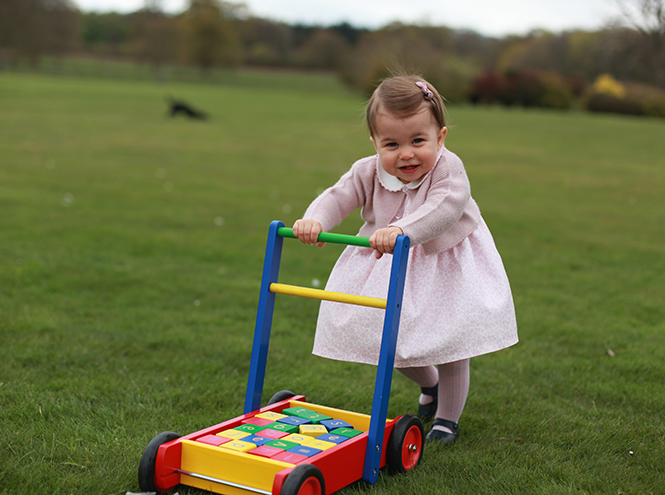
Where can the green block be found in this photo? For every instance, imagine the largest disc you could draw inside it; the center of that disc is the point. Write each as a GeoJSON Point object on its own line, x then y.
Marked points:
{"type": "Point", "coordinates": [301, 412]}
{"type": "Point", "coordinates": [253, 429]}
{"type": "Point", "coordinates": [317, 418]}
{"type": "Point", "coordinates": [286, 428]}
{"type": "Point", "coordinates": [346, 432]}
{"type": "Point", "coordinates": [282, 444]}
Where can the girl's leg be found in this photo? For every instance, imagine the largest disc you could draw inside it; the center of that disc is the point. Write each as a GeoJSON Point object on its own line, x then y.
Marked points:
{"type": "Point", "coordinates": [425, 376]}
{"type": "Point", "coordinates": [453, 390]}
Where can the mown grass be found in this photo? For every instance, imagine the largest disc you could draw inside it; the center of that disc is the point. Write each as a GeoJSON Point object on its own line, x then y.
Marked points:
{"type": "Point", "coordinates": [131, 256]}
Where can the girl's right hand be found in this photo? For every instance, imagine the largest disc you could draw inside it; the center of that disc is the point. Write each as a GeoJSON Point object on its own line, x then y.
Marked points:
{"type": "Point", "coordinates": [308, 230]}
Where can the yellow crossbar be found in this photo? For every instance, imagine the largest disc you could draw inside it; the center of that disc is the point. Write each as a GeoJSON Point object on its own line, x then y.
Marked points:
{"type": "Point", "coordinates": [292, 290]}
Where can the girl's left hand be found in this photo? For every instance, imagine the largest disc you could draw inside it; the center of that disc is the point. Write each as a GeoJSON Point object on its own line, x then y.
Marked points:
{"type": "Point", "coordinates": [383, 240]}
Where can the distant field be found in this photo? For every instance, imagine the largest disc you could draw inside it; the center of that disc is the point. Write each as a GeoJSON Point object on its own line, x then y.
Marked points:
{"type": "Point", "coordinates": [131, 248]}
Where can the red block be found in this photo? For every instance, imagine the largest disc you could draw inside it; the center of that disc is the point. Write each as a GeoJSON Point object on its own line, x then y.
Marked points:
{"type": "Point", "coordinates": [257, 421]}
{"type": "Point", "coordinates": [273, 434]}
{"type": "Point", "coordinates": [265, 451]}
{"type": "Point", "coordinates": [213, 440]}
{"type": "Point", "coordinates": [290, 457]}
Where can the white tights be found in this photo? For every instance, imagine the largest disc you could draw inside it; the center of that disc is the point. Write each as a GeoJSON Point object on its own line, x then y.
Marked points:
{"type": "Point", "coordinates": [453, 379]}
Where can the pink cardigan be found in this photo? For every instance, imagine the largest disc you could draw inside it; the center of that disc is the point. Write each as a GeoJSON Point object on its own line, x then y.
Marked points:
{"type": "Point", "coordinates": [441, 211]}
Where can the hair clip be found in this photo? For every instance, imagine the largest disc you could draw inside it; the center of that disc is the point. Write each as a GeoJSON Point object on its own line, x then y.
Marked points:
{"type": "Point", "coordinates": [426, 91]}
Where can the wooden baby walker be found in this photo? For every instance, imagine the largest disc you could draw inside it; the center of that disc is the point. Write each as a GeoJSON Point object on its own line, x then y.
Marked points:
{"type": "Point", "coordinates": [291, 446]}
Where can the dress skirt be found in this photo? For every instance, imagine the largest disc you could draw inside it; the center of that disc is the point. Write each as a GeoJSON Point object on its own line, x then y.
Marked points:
{"type": "Point", "coordinates": [457, 304]}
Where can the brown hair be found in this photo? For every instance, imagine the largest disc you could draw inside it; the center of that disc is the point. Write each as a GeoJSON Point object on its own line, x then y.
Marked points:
{"type": "Point", "coordinates": [401, 96]}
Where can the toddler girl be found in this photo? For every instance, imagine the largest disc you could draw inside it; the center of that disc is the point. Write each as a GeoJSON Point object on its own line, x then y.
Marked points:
{"type": "Point", "coordinates": [457, 300]}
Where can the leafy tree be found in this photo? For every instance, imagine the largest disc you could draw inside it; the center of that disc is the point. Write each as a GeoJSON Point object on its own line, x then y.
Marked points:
{"type": "Point", "coordinates": [210, 38]}
{"type": "Point", "coordinates": [30, 29]}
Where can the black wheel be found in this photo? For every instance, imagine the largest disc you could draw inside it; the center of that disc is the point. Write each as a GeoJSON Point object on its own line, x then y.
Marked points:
{"type": "Point", "coordinates": [305, 479]}
{"type": "Point", "coordinates": [280, 396]}
{"type": "Point", "coordinates": [147, 464]}
{"type": "Point", "coordinates": [405, 445]}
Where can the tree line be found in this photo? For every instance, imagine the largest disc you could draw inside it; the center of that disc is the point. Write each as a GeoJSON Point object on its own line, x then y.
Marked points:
{"type": "Point", "coordinates": [465, 64]}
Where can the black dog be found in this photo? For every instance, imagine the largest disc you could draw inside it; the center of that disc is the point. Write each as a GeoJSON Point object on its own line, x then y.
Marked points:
{"type": "Point", "coordinates": [181, 108]}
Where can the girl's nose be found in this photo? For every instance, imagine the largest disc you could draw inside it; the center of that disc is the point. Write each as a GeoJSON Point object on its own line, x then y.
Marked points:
{"type": "Point", "coordinates": [406, 153]}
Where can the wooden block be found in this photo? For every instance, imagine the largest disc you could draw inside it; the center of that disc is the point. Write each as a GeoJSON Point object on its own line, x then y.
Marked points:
{"type": "Point", "coordinates": [333, 424]}
{"type": "Point", "coordinates": [297, 438]}
{"type": "Point", "coordinates": [257, 440]}
{"type": "Point", "coordinates": [251, 429]}
{"type": "Point", "coordinates": [319, 418]}
{"type": "Point", "coordinates": [273, 434]}
{"type": "Point", "coordinates": [294, 420]}
{"type": "Point", "coordinates": [306, 451]}
{"type": "Point", "coordinates": [238, 446]}
{"type": "Point", "coordinates": [257, 421]}
{"type": "Point", "coordinates": [213, 440]}
{"type": "Point", "coordinates": [346, 432]}
{"type": "Point", "coordinates": [301, 412]}
{"type": "Point", "coordinates": [329, 437]}
{"type": "Point", "coordinates": [315, 443]}
{"type": "Point", "coordinates": [288, 429]}
{"type": "Point", "coordinates": [312, 430]}
{"type": "Point", "coordinates": [233, 434]}
{"type": "Point", "coordinates": [273, 416]}
{"type": "Point", "coordinates": [265, 451]}
{"type": "Point", "coordinates": [289, 457]}
{"type": "Point", "coordinates": [282, 444]}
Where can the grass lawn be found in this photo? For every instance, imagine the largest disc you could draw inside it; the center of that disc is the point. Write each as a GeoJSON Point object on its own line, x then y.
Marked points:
{"type": "Point", "coordinates": [131, 248]}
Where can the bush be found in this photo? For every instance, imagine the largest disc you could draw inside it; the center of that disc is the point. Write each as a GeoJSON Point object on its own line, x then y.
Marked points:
{"type": "Point", "coordinates": [524, 88]}
{"type": "Point", "coordinates": [631, 99]}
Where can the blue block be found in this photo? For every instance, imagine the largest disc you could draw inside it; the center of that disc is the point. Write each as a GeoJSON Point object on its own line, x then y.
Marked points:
{"type": "Point", "coordinates": [332, 424]}
{"type": "Point", "coordinates": [329, 437]}
{"type": "Point", "coordinates": [257, 440]}
{"type": "Point", "coordinates": [295, 421]}
{"type": "Point", "coordinates": [306, 451]}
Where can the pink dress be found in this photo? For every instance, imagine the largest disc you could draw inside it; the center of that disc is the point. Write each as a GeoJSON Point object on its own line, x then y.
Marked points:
{"type": "Point", "coordinates": [457, 303]}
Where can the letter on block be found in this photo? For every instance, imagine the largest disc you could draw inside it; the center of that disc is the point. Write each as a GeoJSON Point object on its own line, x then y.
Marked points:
{"type": "Point", "coordinates": [238, 446]}
{"type": "Point", "coordinates": [273, 416]}
{"type": "Point", "coordinates": [329, 437]}
{"type": "Point", "coordinates": [233, 434]}
{"type": "Point", "coordinates": [214, 440]}
{"type": "Point", "coordinates": [315, 443]}
{"type": "Point", "coordinates": [289, 457]}
{"type": "Point", "coordinates": [333, 424]}
{"type": "Point", "coordinates": [313, 430]}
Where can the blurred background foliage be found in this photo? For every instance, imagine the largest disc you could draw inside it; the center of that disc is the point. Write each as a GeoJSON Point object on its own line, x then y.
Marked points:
{"type": "Point", "coordinates": [541, 69]}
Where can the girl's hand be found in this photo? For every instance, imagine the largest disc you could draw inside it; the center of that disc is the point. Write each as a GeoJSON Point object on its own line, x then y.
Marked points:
{"type": "Point", "coordinates": [383, 240]}
{"type": "Point", "coordinates": [308, 230]}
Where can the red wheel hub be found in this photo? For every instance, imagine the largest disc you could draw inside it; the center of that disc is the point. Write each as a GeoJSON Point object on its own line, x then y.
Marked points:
{"type": "Point", "coordinates": [411, 448]}
{"type": "Point", "coordinates": [311, 486]}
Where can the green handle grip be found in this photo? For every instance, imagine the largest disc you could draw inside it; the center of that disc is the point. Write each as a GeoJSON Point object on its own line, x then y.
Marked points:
{"type": "Point", "coordinates": [351, 240]}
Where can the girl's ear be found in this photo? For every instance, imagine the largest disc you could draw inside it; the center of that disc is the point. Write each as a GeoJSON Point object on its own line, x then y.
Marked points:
{"type": "Point", "coordinates": [441, 138]}
{"type": "Point", "coordinates": [374, 143]}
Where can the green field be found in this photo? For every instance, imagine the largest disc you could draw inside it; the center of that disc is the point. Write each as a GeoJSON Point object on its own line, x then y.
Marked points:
{"type": "Point", "coordinates": [131, 248]}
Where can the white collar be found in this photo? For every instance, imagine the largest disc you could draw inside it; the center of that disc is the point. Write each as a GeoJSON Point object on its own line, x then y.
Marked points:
{"type": "Point", "coordinates": [391, 182]}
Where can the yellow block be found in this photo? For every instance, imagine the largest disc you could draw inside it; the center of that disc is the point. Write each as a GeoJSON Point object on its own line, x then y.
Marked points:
{"type": "Point", "coordinates": [228, 465]}
{"type": "Point", "coordinates": [297, 438]}
{"type": "Point", "coordinates": [315, 443]}
{"type": "Point", "coordinates": [238, 446]}
{"type": "Point", "coordinates": [233, 434]}
{"type": "Point", "coordinates": [271, 415]}
{"type": "Point", "coordinates": [312, 430]}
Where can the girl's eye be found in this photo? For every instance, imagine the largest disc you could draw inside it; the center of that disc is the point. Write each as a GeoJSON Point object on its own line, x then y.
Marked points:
{"type": "Point", "coordinates": [391, 145]}
{"type": "Point", "coordinates": [418, 140]}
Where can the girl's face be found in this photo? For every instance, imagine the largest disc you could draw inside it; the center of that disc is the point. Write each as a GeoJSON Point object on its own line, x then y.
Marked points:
{"type": "Point", "coordinates": [408, 146]}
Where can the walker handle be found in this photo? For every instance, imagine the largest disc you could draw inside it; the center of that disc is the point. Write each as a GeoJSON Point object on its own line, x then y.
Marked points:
{"type": "Point", "coordinates": [351, 240]}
